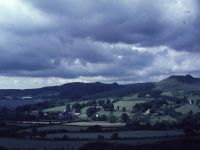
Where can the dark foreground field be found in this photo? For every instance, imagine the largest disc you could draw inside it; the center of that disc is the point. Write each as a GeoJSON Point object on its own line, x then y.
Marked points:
{"type": "Point", "coordinates": [184, 144]}
{"type": "Point", "coordinates": [189, 143]}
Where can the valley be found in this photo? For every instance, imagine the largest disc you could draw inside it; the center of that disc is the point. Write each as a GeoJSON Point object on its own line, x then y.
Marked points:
{"type": "Point", "coordinates": [95, 112]}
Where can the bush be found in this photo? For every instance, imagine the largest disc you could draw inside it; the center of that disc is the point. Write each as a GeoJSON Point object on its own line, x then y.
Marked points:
{"type": "Point", "coordinates": [125, 118]}
{"type": "Point", "coordinates": [65, 137]}
{"type": "Point", "coordinates": [95, 128]}
{"type": "Point", "coordinates": [91, 111]}
{"type": "Point", "coordinates": [114, 136]}
{"type": "Point", "coordinates": [100, 137]}
{"type": "Point", "coordinates": [42, 134]}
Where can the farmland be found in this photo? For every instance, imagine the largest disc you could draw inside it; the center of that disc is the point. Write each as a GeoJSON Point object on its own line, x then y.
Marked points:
{"type": "Point", "coordinates": [128, 104]}
{"type": "Point", "coordinates": [187, 108]}
{"type": "Point", "coordinates": [16, 103]}
{"type": "Point", "coordinates": [77, 134]}
{"type": "Point", "coordinates": [40, 144]}
{"type": "Point", "coordinates": [25, 144]}
{"type": "Point", "coordinates": [92, 123]}
{"type": "Point", "coordinates": [55, 109]}
{"type": "Point", "coordinates": [144, 117]}
{"type": "Point", "coordinates": [122, 134]}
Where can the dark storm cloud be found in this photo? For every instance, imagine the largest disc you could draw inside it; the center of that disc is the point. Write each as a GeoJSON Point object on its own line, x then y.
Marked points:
{"type": "Point", "coordinates": [73, 38]}
{"type": "Point", "coordinates": [146, 23]}
{"type": "Point", "coordinates": [113, 21]}
{"type": "Point", "coordinates": [78, 57]}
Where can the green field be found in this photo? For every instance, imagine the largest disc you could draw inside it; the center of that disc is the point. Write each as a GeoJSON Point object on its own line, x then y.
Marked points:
{"type": "Point", "coordinates": [187, 108]}
{"type": "Point", "coordinates": [167, 118]}
{"type": "Point", "coordinates": [92, 123]}
{"type": "Point", "coordinates": [127, 104]}
{"type": "Point", "coordinates": [69, 145]}
{"type": "Point", "coordinates": [135, 98]}
{"type": "Point", "coordinates": [122, 134]}
{"type": "Point", "coordinates": [71, 128]}
{"type": "Point", "coordinates": [55, 109]}
{"type": "Point", "coordinates": [26, 144]}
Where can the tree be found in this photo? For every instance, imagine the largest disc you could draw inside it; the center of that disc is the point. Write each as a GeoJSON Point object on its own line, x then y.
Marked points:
{"type": "Point", "coordinates": [100, 137]}
{"type": "Point", "coordinates": [101, 102]}
{"type": "Point", "coordinates": [108, 107]}
{"type": "Point", "coordinates": [155, 94]}
{"type": "Point", "coordinates": [91, 111]}
{"type": "Point", "coordinates": [189, 131]}
{"type": "Point", "coordinates": [124, 109]}
{"type": "Point", "coordinates": [96, 128]}
{"type": "Point", "coordinates": [118, 107]}
{"type": "Point", "coordinates": [67, 107]}
{"type": "Point", "coordinates": [112, 118]}
{"type": "Point", "coordinates": [77, 107]}
{"type": "Point", "coordinates": [108, 101]}
{"type": "Point", "coordinates": [114, 136]}
{"type": "Point", "coordinates": [125, 117]}
{"type": "Point", "coordinates": [40, 114]}
{"type": "Point", "coordinates": [198, 102]}
{"type": "Point", "coordinates": [65, 137]}
{"type": "Point", "coordinates": [34, 132]}
{"type": "Point", "coordinates": [42, 134]}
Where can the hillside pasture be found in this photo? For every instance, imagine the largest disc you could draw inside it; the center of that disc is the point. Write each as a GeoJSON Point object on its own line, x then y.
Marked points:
{"type": "Point", "coordinates": [16, 103]}
{"type": "Point", "coordinates": [187, 108]}
{"type": "Point", "coordinates": [55, 109]}
{"type": "Point", "coordinates": [26, 144]}
{"type": "Point", "coordinates": [122, 134]}
{"type": "Point", "coordinates": [92, 123]}
{"type": "Point", "coordinates": [135, 98]}
{"type": "Point", "coordinates": [70, 128]}
{"type": "Point", "coordinates": [127, 104]}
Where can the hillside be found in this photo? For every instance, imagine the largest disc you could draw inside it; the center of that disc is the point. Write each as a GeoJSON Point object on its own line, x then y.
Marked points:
{"type": "Point", "coordinates": [185, 83]}
{"type": "Point", "coordinates": [78, 91]}
{"type": "Point", "coordinates": [68, 91]}
{"type": "Point", "coordinates": [181, 84]}
{"type": "Point", "coordinates": [125, 90]}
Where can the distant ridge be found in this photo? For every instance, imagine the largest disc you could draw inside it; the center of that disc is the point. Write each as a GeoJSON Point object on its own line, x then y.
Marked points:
{"type": "Point", "coordinates": [80, 90]}
{"type": "Point", "coordinates": [185, 79]}
{"type": "Point", "coordinates": [180, 83]}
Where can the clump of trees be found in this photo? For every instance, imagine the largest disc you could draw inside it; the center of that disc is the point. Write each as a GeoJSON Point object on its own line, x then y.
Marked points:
{"type": "Point", "coordinates": [153, 94]}
{"type": "Point", "coordinates": [125, 118]}
{"type": "Point", "coordinates": [92, 111]}
{"type": "Point", "coordinates": [154, 104]}
{"type": "Point", "coordinates": [114, 136]}
{"type": "Point", "coordinates": [95, 128]}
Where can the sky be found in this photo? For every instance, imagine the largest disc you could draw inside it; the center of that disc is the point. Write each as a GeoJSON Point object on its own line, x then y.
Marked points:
{"type": "Point", "coordinates": [52, 42]}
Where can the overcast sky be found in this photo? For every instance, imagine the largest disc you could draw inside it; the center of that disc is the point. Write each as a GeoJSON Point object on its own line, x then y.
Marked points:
{"type": "Point", "coordinates": [51, 42]}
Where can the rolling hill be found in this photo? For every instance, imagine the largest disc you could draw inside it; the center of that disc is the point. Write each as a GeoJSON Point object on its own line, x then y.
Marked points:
{"type": "Point", "coordinates": [185, 83]}
{"type": "Point", "coordinates": [79, 90]}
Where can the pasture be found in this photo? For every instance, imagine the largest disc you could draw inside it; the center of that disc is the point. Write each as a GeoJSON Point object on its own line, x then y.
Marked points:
{"type": "Point", "coordinates": [55, 109]}
{"type": "Point", "coordinates": [92, 123]}
{"type": "Point", "coordinates": [68, 145]}
{"type": "Point", "coordinates": [127, 104]}
{"type": "Point", "coordinates": [70, 128]}
{"type": "Point", "coordinates": [187, 108]}
{"type": "Point", "coordinates": [16, 103]}
{"type": "Point", "coordinates": [122, 134]}
{"type": "Point", "coordinates": [26, 144]}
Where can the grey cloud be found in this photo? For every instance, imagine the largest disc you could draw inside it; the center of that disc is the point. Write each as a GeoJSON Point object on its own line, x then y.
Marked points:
{"type": "Point", "coordinates": [90, 38]}
{"type": "Point", "coordinates": [134, 22]}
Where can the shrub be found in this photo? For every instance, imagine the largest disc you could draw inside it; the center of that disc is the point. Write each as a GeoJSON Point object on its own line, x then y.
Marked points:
{"type": "Point", "coordinates": [100, 137]}
{"type": "Point", "coordinates": [114, 136]}
{"type": "Point", "coordinates": [95, 128]}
